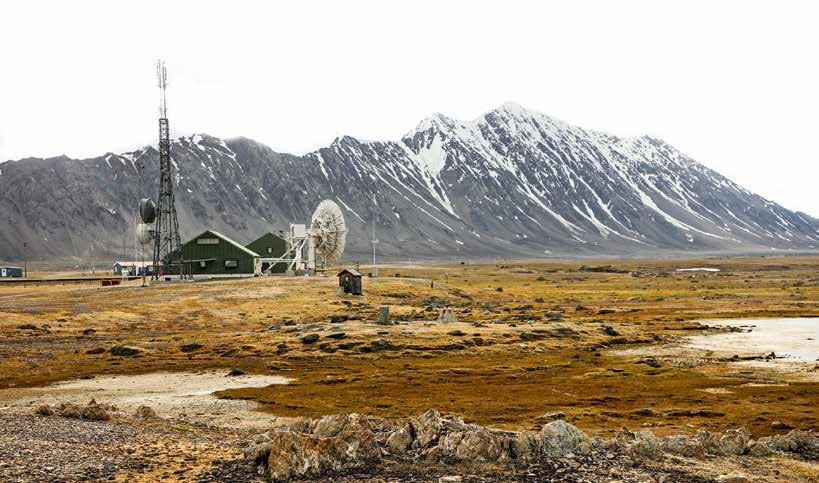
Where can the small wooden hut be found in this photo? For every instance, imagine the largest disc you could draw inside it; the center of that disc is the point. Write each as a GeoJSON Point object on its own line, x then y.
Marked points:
{"type": "Point", "coordinates": [349, 281]}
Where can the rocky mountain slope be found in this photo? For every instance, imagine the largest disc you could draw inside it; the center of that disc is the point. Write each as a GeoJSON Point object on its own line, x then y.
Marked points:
{"type": "Point", "coordinates": [511, 183]}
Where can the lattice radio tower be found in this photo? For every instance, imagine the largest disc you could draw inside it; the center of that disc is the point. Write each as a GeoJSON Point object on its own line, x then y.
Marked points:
{"type": "Point", "coordinates": [167, 244]}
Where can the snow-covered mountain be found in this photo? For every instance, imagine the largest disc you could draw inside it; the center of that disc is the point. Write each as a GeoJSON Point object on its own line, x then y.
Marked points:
{"type": "Point", "coordinates": [511, 183]}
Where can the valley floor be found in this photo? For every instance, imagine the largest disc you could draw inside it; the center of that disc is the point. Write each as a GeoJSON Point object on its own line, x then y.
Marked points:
{"type": "Point", "coordinates": [603, 342]}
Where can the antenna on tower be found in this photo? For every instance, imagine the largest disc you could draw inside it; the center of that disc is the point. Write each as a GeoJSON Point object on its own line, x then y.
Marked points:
{"type": "Point", "coordinates": [167, 243]}
{"type": "Point", "coordinates": [162, 82]}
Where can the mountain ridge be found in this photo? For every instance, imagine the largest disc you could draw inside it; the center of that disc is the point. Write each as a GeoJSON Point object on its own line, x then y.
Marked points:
{"type": "Point", "coordinates": [512, 182]}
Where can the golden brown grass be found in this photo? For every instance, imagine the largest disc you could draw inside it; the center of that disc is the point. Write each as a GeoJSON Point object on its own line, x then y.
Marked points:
{"type": "Point", "coordinates": [497, 382]}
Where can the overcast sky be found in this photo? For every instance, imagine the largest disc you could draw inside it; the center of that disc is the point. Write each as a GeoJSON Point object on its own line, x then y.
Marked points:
{"type": "Point", "coordinates": [733, 84]}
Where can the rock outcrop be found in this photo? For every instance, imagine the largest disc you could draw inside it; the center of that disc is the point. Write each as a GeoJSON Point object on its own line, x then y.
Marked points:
{"type": "Point", "coordinates": [343, 443]}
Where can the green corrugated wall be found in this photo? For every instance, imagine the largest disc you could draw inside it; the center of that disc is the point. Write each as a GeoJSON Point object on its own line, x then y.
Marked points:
{"type": "Point", "coordinates": [216, 256]}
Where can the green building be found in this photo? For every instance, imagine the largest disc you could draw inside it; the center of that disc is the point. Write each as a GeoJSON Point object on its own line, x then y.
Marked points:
{"type": "Point", "coordinates": [270, 245]}
{"type": "Point", "coordinates": [214, 254]}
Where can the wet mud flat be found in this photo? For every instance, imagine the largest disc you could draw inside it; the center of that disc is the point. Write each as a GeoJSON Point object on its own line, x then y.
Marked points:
{"type": "Point", "coordinates": [187, 395]}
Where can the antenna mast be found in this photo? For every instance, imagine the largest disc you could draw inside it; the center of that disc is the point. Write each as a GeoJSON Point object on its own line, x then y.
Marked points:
{"type": "Point", "coordinates": [167, 243]}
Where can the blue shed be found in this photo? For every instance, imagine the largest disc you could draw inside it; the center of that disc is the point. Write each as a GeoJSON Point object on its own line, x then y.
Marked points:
{"type": "Point", "coordinates": [11, 272]}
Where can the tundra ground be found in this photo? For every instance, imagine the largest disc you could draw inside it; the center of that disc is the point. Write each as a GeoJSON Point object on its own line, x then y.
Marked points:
{"type": "Point", "coordinates": [531, 337]}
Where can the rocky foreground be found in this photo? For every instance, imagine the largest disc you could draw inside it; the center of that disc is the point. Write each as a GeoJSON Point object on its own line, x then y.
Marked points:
{"type": "Point", "coordinates": [353, 446]}
{"type": "Point", "coordinates": [73, 442]}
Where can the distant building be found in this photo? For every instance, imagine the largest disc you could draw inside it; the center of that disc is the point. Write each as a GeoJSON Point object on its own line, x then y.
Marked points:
{"type": "Point", "coordinates": [11, 272]}
{"type": "Point", "coordinates": [214, 254]}
{"type": "Point", "coordinates": [270, 245]}
{"type": "Point", "coordinates": [133, 268]}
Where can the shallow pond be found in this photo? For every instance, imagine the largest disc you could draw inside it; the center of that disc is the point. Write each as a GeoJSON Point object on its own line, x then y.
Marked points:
{"type": "Point", "coordinates": [790, 338]}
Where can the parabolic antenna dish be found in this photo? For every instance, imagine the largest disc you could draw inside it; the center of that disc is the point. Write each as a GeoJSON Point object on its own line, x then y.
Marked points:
{"type": "Point", "coordinates": [328, 231]}
{"type": "Point", "coordinates": [145, 233]}
{"type": "Point", "coordinates": [147, 210]}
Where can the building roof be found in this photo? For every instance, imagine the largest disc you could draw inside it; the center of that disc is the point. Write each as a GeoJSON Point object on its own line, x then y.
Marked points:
{"type": "Point", "coordinates": [10, 266]}
{"type": "Point", "coordinates": [232, 242]}
{"type": "Point", "coordinates": [351, 271]}
{"type": "Point", "coordinates": [265, 234]}
{"type": "Point", "coordinates": [133, 264]}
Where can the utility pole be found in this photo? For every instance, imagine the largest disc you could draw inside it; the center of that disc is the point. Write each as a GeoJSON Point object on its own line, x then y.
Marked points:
{"type": "Point", "coordinates": [375, 241]}
{"type": "Point", "coordinates": [25, 259]}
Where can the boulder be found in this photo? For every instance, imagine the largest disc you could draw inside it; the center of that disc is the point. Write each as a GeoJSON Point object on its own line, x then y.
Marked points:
{"type": "Point", "coordinates": [803, 443]}
{"type": "Point", "coordinates": [428, 428]}
{"type": "Point", "coordinates": [559, 438]}
{"type": "Point", "coordinates": [334, 424]}
{"type": "Point", "coordinates": [735, 441]}
{"type": "Point", "coordinates": [95, 412]}
{"type": "Point", "coordinates": [524, 446]}
{"type": "Point", "coordinates": [641, 444]}
{"type": "Point", "coordinates": [70, 410]}
{"type": "Point", "coordinates": [473, 446]}
{"type": "Point", "coordinates": [401, 440]}
{"type": "Point", "coordinates": [302, 455]}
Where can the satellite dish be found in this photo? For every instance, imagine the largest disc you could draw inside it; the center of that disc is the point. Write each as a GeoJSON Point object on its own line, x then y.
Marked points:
{"type": "Point", "coordinates": [147, 210]}
{"type": "Point", "coordinates": [328, 232]}
{"type": "Point", "coordinates": [145, 233]}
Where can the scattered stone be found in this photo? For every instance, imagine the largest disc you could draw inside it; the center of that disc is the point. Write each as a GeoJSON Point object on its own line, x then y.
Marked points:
{"type": "Point", "coordinates": [337, 335]}
{"type": "Point", "coordinates": [650, 361]}
{"type": "Point", "coordinates": [124, 351]}
{"type": "Point", "coordinates": [190, 347]}
{"type": "Point", "coordinates": [551, 416]}
{"type": "Point", "coordinates": [610, 330]}
{"type": "Point", "coordinates": [337, 319]}
{"type": "Point", "coordinates": [44, 410]}
{"type": "Point", "coordinates": [780, 425]}
{"type": "Point", "coordinates": [446, 315]}
{"type": "Point", "coordinates": [600, 269]}
{"type": "Point", "coordinates": [384, 315]}
{"type": "Point", "coordinates": [379, 345]}
{"type": "Point", "coordinates": [531, 336]}
{"type": "Point", "coordinates": [96, 350]}
{"type": "Point", "coordinates": [731, 478]}
{"type": "Point", "coordinates": [309, 338]}
{"type": "Point", "coordinates": [27, 327]}
{"type": "Point", "coordinates": [235, 372]}
{"type": "Point", "coordinates": [457, 333]}
{"type": "Point", "coordinates": [145, 412]}
{"type": "Point", "coordinates": [89, 331]}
